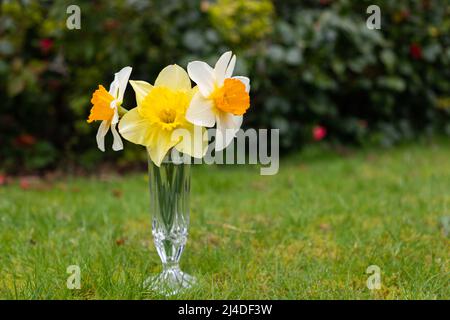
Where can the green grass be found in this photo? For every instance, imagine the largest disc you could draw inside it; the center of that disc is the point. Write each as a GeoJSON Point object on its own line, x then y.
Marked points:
{"type": "Point", "coordinates": [308, 232]}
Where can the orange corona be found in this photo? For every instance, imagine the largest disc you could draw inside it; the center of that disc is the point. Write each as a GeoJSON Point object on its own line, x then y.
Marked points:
{"type": "Point", "coordinates": [232, 97]}
{"type": "Point", "coordinates": [101, 110]}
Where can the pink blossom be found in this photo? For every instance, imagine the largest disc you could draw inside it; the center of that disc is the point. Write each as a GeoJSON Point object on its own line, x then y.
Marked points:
{"type": "Point", "coordinates": [319, 132]}
{"type": "Point", "coordinates": [24, 184]}
{"type": "Point", "coordinates": [45, 45]}
{"type": "Point", "coordinates": [415, 50]}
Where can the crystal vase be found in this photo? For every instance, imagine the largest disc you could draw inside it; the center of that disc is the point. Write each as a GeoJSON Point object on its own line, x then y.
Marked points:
{"type": "Point", "coordinates": [169, 205]}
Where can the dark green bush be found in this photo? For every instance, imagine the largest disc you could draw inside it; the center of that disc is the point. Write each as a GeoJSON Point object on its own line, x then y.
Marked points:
{"type": "Point", "coordinates": [311, 63]}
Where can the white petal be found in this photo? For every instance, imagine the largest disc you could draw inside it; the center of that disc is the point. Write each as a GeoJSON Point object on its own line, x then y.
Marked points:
{"type": "Point", "coordinates": [227, 127]}
{"type": "Point", "coordinates": [114, 88]}
{"type": "Point", "coordinates": [221, 66]}
{"type": "Point", "coordinates": [173, 77]}
{"type": "Point", "coordinates": [122, 80]}
{"type": "Point", "coordinates": [201, 111]}
{"type": "Point", "coordinates": [238, 121]}
{"type": "Point", "coordinates": [101, 133]}
{"type": "Point", "coordinates": [142, 89]}
{"type": "Point", "coordinates": [203, 75]}
{"type": "Point", "coordinates": [230, 67]}
{"type": "Point", "coordinates": [115, 118]}
{"type": "Point", "coordinates": [245, 81]}
{"type": "Point", "coordinates": [117, 144]}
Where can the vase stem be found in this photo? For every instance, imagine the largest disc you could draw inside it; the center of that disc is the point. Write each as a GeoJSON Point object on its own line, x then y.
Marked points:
{"type": "Point", "coordinates": [169, 202]}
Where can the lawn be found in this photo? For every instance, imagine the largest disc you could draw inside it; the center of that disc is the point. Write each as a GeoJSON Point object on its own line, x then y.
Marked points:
{"type": "Point", "coordinates": [309, 232]}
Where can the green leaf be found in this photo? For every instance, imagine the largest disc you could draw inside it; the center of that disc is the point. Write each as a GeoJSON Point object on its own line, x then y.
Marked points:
{"type": "Point", "coordinates": [16, 85]}
{"type": "Point", "coordinates": [393, 83]}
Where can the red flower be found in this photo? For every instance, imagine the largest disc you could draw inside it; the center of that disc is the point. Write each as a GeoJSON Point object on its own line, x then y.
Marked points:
{"type": "Point", "coordinates": [362, 123]}
{"type": "Point", "coordinates": [24, 184]}
{"type": "Point", "coordinates": [405, 14]}
{"type": "Point", "coordinates": [111, 24]}
{"type": "Point", "coordinates": [25, 140]}
{"type": "Point", "coordinates": [54, 84]}
{"type": "Point", "coordinates": [319, 133]}
{"type": "Point", "coordinates": [2, 179]}
{"type": "Point", "coordinates": [415, 50]}
{"type": "Point", "coordinates": [45, 45]}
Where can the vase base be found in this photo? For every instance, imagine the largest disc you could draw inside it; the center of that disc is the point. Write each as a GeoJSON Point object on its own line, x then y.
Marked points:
{"type": "Point", "coordinates": [169, 282]}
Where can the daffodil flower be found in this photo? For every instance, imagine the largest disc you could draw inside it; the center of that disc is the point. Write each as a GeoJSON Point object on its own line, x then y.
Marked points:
{"type": "Point", "coordinates": [160, 116]}
{"type": "Point", "coordinates": [221, 98]}
{"type": "Point", "coordinates": [106, 106]}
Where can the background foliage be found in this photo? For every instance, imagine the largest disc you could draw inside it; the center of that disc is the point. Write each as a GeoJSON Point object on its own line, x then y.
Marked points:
{"type": "Point", "coordinates": [313, 64]}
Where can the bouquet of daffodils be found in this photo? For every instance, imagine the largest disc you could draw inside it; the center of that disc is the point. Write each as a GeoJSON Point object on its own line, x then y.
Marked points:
{"type": "Point", "coordinates": [171, 113]}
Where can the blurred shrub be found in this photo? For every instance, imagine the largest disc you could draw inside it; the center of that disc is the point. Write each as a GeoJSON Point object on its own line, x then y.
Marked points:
{"type": "Point", "coordinates": [242, 21]}
{"type": "Point", "coordinates": [312, 63]}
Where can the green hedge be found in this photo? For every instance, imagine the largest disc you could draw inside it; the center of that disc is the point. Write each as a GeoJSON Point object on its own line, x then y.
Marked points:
{"type": "Point", "coordinates": [312, 63]}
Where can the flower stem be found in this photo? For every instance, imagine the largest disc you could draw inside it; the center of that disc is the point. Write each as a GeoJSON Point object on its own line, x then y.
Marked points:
{"type": "Point", "coordinates": [122, 111]}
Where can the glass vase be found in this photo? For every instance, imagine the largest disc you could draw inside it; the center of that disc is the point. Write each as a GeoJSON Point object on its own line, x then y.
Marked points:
{"type": "Point", "coordinates": [169, 205]}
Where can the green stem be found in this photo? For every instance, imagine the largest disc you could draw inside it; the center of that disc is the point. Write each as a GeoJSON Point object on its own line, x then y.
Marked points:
{"type": "Point", "coordinates": [122, 111]}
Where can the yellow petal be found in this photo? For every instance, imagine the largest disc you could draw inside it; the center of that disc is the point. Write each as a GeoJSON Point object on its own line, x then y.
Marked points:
{"type": "Point", "coordinates": [160, 145]}
{"type": "Point", "coordinates": [194, 140]}
{"type": "Point", "coordinates": [136, 129]}
{"type": "Point", "coordinates": [142, 89]}
{"type": "Point", "coordinates": [173, 77]}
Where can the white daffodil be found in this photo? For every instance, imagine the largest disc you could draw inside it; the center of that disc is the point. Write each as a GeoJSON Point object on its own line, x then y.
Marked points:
{"type": "Point", "coordinates": [106, 106]}
{"type": "Point", "coordinates": [221, 98]}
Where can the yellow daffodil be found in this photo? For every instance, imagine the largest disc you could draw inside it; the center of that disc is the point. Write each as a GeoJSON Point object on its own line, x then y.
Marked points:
{"type": "Point", "coordinates": [105, 108]}
{"type": "Point", "coordinates": [221, 98]}
{"type": "Point", "coordinates": [159, 120]}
